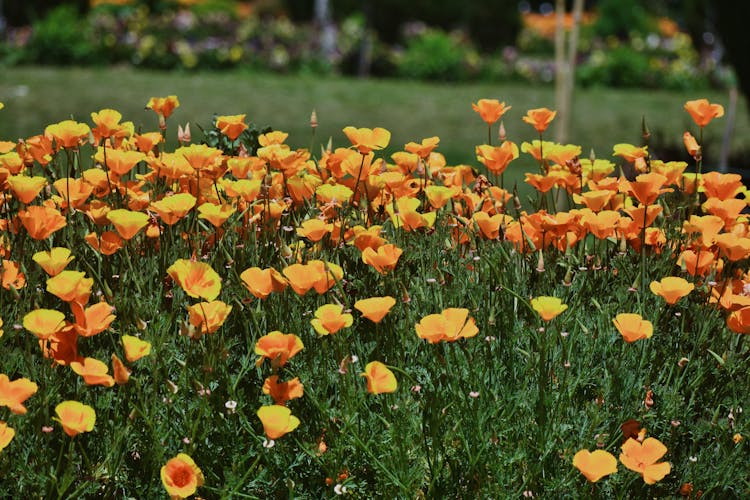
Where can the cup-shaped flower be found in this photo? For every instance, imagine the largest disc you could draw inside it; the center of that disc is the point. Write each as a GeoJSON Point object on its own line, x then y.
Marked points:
{"type": "Point", "coordinates": [722, 186]}
{"type": "Point", "coordinates": [163, 106]}
{"type": "Point", "coordinates": [173, 208]}
{"type": "Point", "coordinates": [70, 286]}
{"type": "Point", "coordinates": [13, 393]}
{"type": "Point", "coordinates": [595, 465]}
{"type": "Point", "coordinates": [53, 261]}
{"type": "Point", "coordinates": [367, 140]}
{"type": "Point", "coordinates": [231, 126]}
{"type": "Point", "coordinates": [277, 420]}
{"type": "Point", "coordinates": [261, 282]}
{"type": "Point", "coordinates": [118, 161]}
{"type": "Point", "coordinates": [314, 229]}
{"type": "Point", "coordinates": [26, 188]}
{"type": "Point", "coordinates": [423, 148]}
{"type": "Point", "coordinates": [6, 435]}
{"type": "Point", "coordinates": [127, 222]}
{"type": "Point", "coordinates": [375, 308]}
{"type": "Point", "coordinates": [380, 379]}
{"type": "Point", "coordinates": [330, 318]}
{"type": "Point", "coordinates": [671, 288]}
{"type": "Point", "coordinates": [278, 347]}
{"type": "Point", "coordinates": [383, 259]}
{"type": "Point", "coordinates": [490, 110]}
{"type": "Point", "coordinates": [200, 156]}
{"type": "Point", "coordinates": [450, 325]}
{"type": "Point", "coordinates": [135, 348]}
{"type": "Point", "coordinates": [633, 327]}
{"type": "Point", "coordinates": [647, 187]}
{"type": "Point", "coordinates": [181, 477]}
{"type": "Point", "coordinates": [702, 111]}
{"type": "Point", "coordinates": [739, 320]}
{"type": "Point", "coordinates": [281, 392]}
{"type": "Point", "coordinates": [198, 279]}
{"type": "Point", "coordinates": [44, 322]}
{"type": "Point", "coordinates": [539, 118]}
{"type": "Point", "coordinates": [93, 371]}
{"type": "Point", "coordinates": [302, 277]}
{"type": "Point", "coordinates": [68, 133]}
{"type": "Point", "coordinates": [643, 458]}
{"type": "Point", "coordinates": [120, 371]}
{"type": "Point", "coordinates": [93, 319]}
{"type": "Point", "coordinates": [215, 214]}
{"type": "Point", "coordinates": [107, 244]}
{"type": "Point", "coordinates": [207, 317]}
{"type": "Point", "coordinates": [11, 275]}
{"type": "Point", "coordinates": [75, 417]}
{"type": "Point", "coordinates": [548, 307]}
{"type": "Point", "coordinates": [497, 158]}
{"type": "Point", "coordinates": [41, 221]}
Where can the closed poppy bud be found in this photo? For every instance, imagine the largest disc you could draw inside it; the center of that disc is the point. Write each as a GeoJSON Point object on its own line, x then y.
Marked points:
{"type": "Point", "coordinates": [181, 477]}
{"type": "Point", "coordinates": [691, 145]}
{"type": "Point", "coordinates": [595, 465]}
{"type": "Point", "coordinates": [121, 373]}
{"type": "Point", "coordinates": [380, 379]}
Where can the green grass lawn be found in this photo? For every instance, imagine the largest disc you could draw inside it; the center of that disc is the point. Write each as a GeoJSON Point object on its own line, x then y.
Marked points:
{"type": "Point", "coordinates": [35, 97]}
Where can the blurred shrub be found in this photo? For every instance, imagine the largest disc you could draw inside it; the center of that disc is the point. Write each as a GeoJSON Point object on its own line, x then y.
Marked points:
{"type": "Point", "coordinates": [62, 37]}
{"type": "Point", "coordinates": [435, 55]}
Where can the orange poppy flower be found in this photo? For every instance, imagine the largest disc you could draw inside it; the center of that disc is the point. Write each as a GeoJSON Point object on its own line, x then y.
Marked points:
{"type": "Point", "coordinates": [127, 222]}
{"type": "Point", "coordinates": [120, 371]}
{"type": "Point", "coordinates": [490, 110]}
{"type": "Point", "coordinates": [26, 188]}
{"type": "Point", "coordinates": [68, 133]}
{"type": "Point", "coordinates": [44, 322]}
{"type": "Point", "coordinates": [496, 159]}
{"type": "Point", "coordinates": [702, 112]}
{"type": "Point", "coordinates": [383, 259]}
{"type": "Point", "coordinates": [62, 346]}
{"type": "Point", "coordinates": [697, 264]}
{"type": "Point", "coordinates": [200, 156]}
{"type": "Point", "coordinates": [314, 229]}
{"type": "Point", "coordinates": [146, 142]}
{"type": "Point", "coordinates": [215, 214]}
{"type": "Point", "coordinates": [595, 465]}
{"type": "Point", "coordinates": [198, 279]}
{"type": "Point", "coordinates": [39, 147]}
{"type": "Point", "coordinates": [380, 379]}
{"type": "Point", "coordinates": [729, 210]}
{"type": "Point", "coordinates": [93, 371]}
{"type": "Point", "coordinates": [41, 221]}
{"type": "Point", "coordinates": [273, 137]}
{"type": "Point", "coordinates": [424, 148]}
{"type": "Point", "coordinates": [11, 162]}
{"type": "Point", "coordinates": [11, 275]}
{"type": "Point", "coordinates": [75, 417]}
{"type": "Point", "coordinates": [173, 208]}
{"type": "Point", "coordinates": [541, 183]}
{"type": "Point", "coordinates": [629, 152]}
{"type": "Point", "coordinates": [281, 392]}
{"type": "Point", "coordinates": [732, 246]}
{"type": "Point", "coordinates": [739, 320]}
{"type": "Point", "coordinates": [302, 277]}
{"type": "Point", "coordinates": [207, 317]}
{"type": "Point", "coordinates": [93, 319]}
{"type": "Point", "coordinates": [247, 189]}
{"type": "Point", "coordinates": [231, 126]}
{"type": "Point", "coordinates": [73, 192]}
{"type": "Point", "coordinates": [406, 216]}
{"type": "Point", "coordinates": [548, 307]}
{"type": "Point", "coordinates": [330, 318]}
{"type": "Point", "coordinates": [706, 226]}
{"type": "Point", "coordinates": [691, 145]}
{"type": "Point", "coordinates": [367, 140]}
{"type": "Point", "coordinates": [375, 308]}
{"type": "Point", "coordinates": [277, 420]}
{"type": "Point", "coordinates": [671, 288]}
{"type": "Point", "coordinates": [278, 347]}
{"type": "Point", "coordinates": [439, 196]}
{"type": "Point", "coordinates": [13, 393]}
{"type": "Point", "coordinates": [135, 348]}
{"type": "Point", "coordinates": [108, 243]}
{"type": "Point", "coordinates": [181, 477]}
{"type": "Point", "coordinates": [70, 286]}
{"type": "Point", "coordinates": [643, 457]}
{"type": "Point", "coordinates": [449, 325]}
{"type": "Point", "coordinates": [107, 123]}
{"type": "Point", "coordinates": [603, 224]}
{"type": "Point", "coordinates": [53, 261]}
{"type": "Point", "coordinates": [539, 118]}
{"type": "Point", "coordinates": [163, 106]}
{"type": "Point", "coordinates": [6, 435]}
{"type": "Point", "coordinates": [633, 327]}
{"type": "Point", "coordinates": [647, 187]}
{"type": "Point", "coordinates": [722, 186]}
{"type": "Point", "coordinates": [118, 161]}
{"type": "Point", "coordinates": [261, 282]}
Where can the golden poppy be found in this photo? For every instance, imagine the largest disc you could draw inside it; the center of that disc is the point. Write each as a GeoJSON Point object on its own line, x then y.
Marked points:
{"type": "Point", "coordinates": [135, 348]}
{"type": "Point", "coordinates": [93, 319]}
{"type": "Point", "coordinates": [273, 137]}
{"type": "Point", "coordinates": [380, 379]}
{"type": "Point", "coordinates": [278, 347]}
{"type": "Point", "coordinates": [330, 318]}
{"type": "Point", "coordinates": [277, 420]}
{"type": "Point", "coordinates": [739, 320]}
{"type": "Point", "coordinates": [281, 392]}
{"type": "Point", "coordinates": [120, 371]}
{"type": "Point", "coordinates": [41, 221]}
{"type": "Point", "coordinates": [147, 141]}
{"type": "Point", "coordinates": [375, 308]}
{"type": "Point", "coordinates": [548, 307]}
{"type": "Point", "coordinates": [173, 208]}
{"type": "Point", "coordinates": [671, 288]}
{"type": "Point", "coordinates": [314, 229]}
{"type": "Point", "coordinates": [198, 279]}
{"type": "Point", "coordinates": [449, 325]}
{"type": "Point", "coordinates": [6, 435]}
{"type": "Point", "coordinates": [93, 371]}
{"type": "Point", "coordinates": [127, 222]}
{"type": "Point", "coordinates": [163, 106]}
{"type": "Point", "coordinates": [44, 322]}
{"type": "Point", "coordinates": [200, 156]}
{"type": "Point", "coordinates": [629, 152]}
{"type": "Point", "coordinates": [26, 188]}
{"type": "Point", "coordinates": [702, 111]}
{"type": "Point", "coordinates": [70, 286]}
{"type": "Point", "coordinates": [423, 148]}
{"type": "Point", "coordinates": [383, 259]}
{"type": "Point", "coordinates": [53, 261]}
{"type": "Point", "coordinates": [107, 244]}
{"type": "Point", "coordinates": [633, 327]}
{"type": "Point", "coordinates": [647, 187]}
{"type": "Point", "coordinates": [215, 214]}
{"type": "Point", "coordinates": [75, 417]}
{"type": "Point", "coordinates": [732, 246]}
{"type": "Point", "coordinates": [13, 393]}
{"type": "Point", "coordinates": [497, 158]}
{"type": "Point", "coordinates": [302, 277]}
{"type": "Point", "coordinates": [11, 275]}
{"type": "Point", "coordinates": [231, 126]}
{"type": "Point", "coordinates": [595, 465]}
{"type": "Point", "coordinates": [722, 186]}
{"type": "Point", "coordinates": [73, 192]}
{"type": "Point", "coordinates": [490, 110]}
{"type": "Point", "coordinates": [68, 133]}
{"type": "Point", "coordinates": [181, 477]}
{"type": "Point", "coordinates": [261, 282]}
{"type": "Point", "coordinates": [367, 140]}
{"type": "Point", "coordinates": [207, 317]}
{"type": "Point", "coordinates": [539, 118]}
{"type": "Point", "coordinates": [643, 457]}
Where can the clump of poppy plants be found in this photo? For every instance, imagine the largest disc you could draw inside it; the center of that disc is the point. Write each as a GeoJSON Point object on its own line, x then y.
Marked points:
{"type": "Point", "coordinates": [288, 316]}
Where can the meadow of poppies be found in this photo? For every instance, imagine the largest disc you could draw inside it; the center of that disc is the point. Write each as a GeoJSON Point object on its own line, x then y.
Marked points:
{"type": "Point", "coordinates": [237, 318]}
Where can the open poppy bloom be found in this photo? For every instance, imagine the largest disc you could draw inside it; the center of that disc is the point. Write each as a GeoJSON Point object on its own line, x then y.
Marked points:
{"type": "Point", "coordinates": [75, 417]}
{"type": "Point", "coordinates": [330, 318]}
{"type": "Point", "coordinates": [53, 261]}
{"type": "Point", "coordinates": [539, 118]}
{"type": "Point", "coordinates": [127, 222]}
{"type": "Point", "coordinates": [278, 347]}
{"type": "Point", "coordinates": [93, 371]}
{"type": "Point", "coordinates": [181, 477]}
{"type": "Point", "coordinates": [26, 188]}
{"type": "Point", "coordinates": [303, 277]}
{"type": "Point", "coordinates": [44, 322]}
{"type": "Point", "coordinates": [70, 286]}
{"type": "Point", "coordinates": [647, 187]}
{"type": "Point", "coordinates": [380, 379]}
{"type": "Point", "coordinates": [739, 320]}
{"type": "Point", "coordinates": [384, 259]}
{"type": "Point", "coordinates": [671, 288]}
{"type": "Point", "coordinates": [41, 221]}
{"type": "Point", "coordinates": [450, 325]}
{"type": "Point", "coordinates": [13, 393]}
{"type": "Point", "coordinates": [173, 208]}
{"type": "Point", "coordinates": [643, 457]}
{"type": "Point", "coordinates": [281, 392]}
{"type": "Point", "coordinates": [107, 244]}
{"type": "Point", "coordinates": [93, 319]}
{"type": "Point", "coordinates": [6, 435]}
{"type": "Point", "coordinates": [375, 308]}
{"type": "Point", "coordinates": [198, 279]}
{"type": "Point", "coordinates": [215, 214]}
{"type": "Point", "coordinates": [135, 348]}
{"type": "Point", "coordinates": [163, 106]}
{"type": "Point", "coordinates": [490, 110]}
{"type": "Point", "coordinates": [68, 133]}
{"type": "Point", "coordinates": [231, 126]}
{"type": "Point", "coordinates": [367, 140]}
{"type": "Point", "coordinates": [261, 282]}
{"type": "Point", "coordinates": [702, 111]}
{"type": "Point", "coordinates": [207, 317]}
{"type": "Point", "coordinates": [633, 327]}
{"type": "Point", "coordinates": [277, 420]}
{"type": "Point", "coordinates": [595, 465]}
{"type": "Point", "coordinates": [497, 158]}
{"type": "Point", "coordinates": [548, 307]}
{"type": "Point", "coordinates": [424, 148]}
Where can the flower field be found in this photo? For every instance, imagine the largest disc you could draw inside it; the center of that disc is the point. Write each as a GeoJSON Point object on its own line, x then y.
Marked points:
{"type": "Point", "coordinates": [235, 318]}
